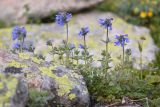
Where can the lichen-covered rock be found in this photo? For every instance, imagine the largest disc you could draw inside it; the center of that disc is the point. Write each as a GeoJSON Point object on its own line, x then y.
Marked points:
{"type": "Point", "coordinates": [43, 32]}
{"type": "Point", "coordinates": [61, 86]}
{"type": "Point", "coordinates": [67, 85]}
{"type": "Point", "coordinates": [18, 11]}
{"type": "Point", "coordinates": [13, 91]}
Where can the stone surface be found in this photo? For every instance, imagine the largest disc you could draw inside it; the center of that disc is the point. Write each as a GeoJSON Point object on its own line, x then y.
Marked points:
{"type": "Point", "coordinates": [62, 86]}
{"type": "Point", "coordinates": [18, 11]}
{"type": "Point", "coordinates": [40, 33]}
{"type": "Point", "coordinates": [13, 91]}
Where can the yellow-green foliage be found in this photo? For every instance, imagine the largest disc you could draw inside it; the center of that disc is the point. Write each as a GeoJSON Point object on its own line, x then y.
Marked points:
{"type": "Point", "coordinates": [11, 84]}
{"type": "Point", "coordinates": [36, 60]}
{"type": "Point", "coordinates": [65, 85]}
{"type": "Point", "coordinates": [72, 96]}
{"type": "Point", "coordinates": [24, 56]}
{"type": "Point", "coordinates": [16, 64]}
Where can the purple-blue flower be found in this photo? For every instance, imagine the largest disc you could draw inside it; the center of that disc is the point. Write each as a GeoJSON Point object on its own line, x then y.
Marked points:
{"type": "Point", "coordinates": [62, 18]}
{"type": "Point", "coordinates": [18, 32]}
{"type": "Point", "coordinates": [28, 46]}
{"type": "Point", "coordinates": [16, 46]}
{"type": "Point", "coordinates": [121, 40]}
{"type": "Point", "coordinates": [81, 46]}
{"type": "Point", "coordinates": [71, 46]}
{"type": "Point", "coordinates": [84, 31]}
{"type": "Point", "coordinates": [106, 23]}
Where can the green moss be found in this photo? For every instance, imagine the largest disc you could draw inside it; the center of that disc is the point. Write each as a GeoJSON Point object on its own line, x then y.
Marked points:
{"type": "Point", "coordinates": [72, 96]}
{"type": "Point", "coordinates": [65, 85]}
{"type": "Point", "coordinates": [16, 64]}
{"type": "Point", "coordinates": [24, 56]}
{"type": "Point", "coordinates": [36, 60]}
{"type": "Point", "coordinates": [37, 98]}
{"type": "Point", "coordinates": [11, 84]}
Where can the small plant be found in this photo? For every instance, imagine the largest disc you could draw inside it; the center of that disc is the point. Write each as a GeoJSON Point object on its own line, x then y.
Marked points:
{"type": "Point", "coordinates": [140, 47]}
{"type": "Point", "coordinates": [19, 34]}
{"type": "Point", "coordinates": [62, 19]}
{"type": "Point", "coordinates": [83, 32]}
{"type": "Point", "coordinates": [122, 40]}
{"type": "Point", "coordinates": [37, 99]}
{"type": "Point", "coordinates": [107, 24]}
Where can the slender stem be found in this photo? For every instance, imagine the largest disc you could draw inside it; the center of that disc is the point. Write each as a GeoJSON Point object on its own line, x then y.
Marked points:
{"type": "Point", "coordinates": [123, 55]}
{"type": "Point", "coordinates": [22, 42]}
{"type": "Point", "coordinates": [107, 36]}
{"type": "Point", "coordinates": [67, 51]}
{"type": "Point", "coordinates": [141, 65]}
{"type": "Point", "coordinates": [53, 51]}
{"type": "Point", "coordinates": [67, 32]}
{"type": "Point", "coordinates": [85, 48]}
{"type": "Point", "coordinates": [72, 56]}
{"type": "Point", "coordinates": [107, 41]}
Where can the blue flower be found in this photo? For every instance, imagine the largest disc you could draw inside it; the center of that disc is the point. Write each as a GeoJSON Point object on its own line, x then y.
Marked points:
{"type": "Point", "coordinates": [121, 40]}
{"type": "Point", "coordinates": [62, 18]}
{"type": "Point", "coordinates": [84, 31]}
{"type": "Point", "coordinates": [106, 23]}
{"type": "Point", "coordinates": [23, 32]}
{"type": "Point", "coordinates": [16, 46]}
{"type": "Point", "coordinates": [81, 46]}
{"type": "Point", "coordinates": [71, 46]}
{"type": "Point", "coordinates": [18, 32]}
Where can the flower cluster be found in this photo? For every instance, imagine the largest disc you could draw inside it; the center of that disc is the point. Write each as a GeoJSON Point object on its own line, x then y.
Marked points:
{"type": "Point", "coordinates": [19, 33]}
{"type": "Point", "coordinates": [84, 31]}
{"type": "Point", "coordinates": [121, 40]}
{"type": "Point", "coordinates": [106, 23]}
{"type": "Point", "coordinates": [81, 46]}
{"type": "Point", "coordinates": [62, 18]}
{"type": "Point", "coordinates": [71, 46]}
{"type": "Point", "coordinates": [16, 46]}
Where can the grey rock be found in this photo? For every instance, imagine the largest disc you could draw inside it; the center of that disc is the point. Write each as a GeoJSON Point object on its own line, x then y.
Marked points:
{"type": "Point", "coordinates": [18, 11]}
{"type": "Point", "coordinates": [13, 91]}
{"type": "Point", "coordinates": [64, 86]}
{"type": "Point", "coordinates": [21, 95]}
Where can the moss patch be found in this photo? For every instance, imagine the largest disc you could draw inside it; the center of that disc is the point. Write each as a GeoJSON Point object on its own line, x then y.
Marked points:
{"type": "Point", "coordinates": [24, 56]}
{"type": "Point", "coordinates": [72, 96]}
{"type": "Point", "coordinates": [36, 60]}
{"type": "Point", "coordinates": [16, 64]}
{"type": "Point", "coordinates": [37, 98]}
{"type": "Point", "coordinates": [65, 85]}
{"type": "Point", "coordinates": [10, 83]}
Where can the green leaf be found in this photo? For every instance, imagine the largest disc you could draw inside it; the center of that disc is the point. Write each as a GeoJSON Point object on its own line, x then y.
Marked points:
{"type": "Point", "coordinates": [153, 79]}
{"type": "Point", "coordinates": [140, 47]}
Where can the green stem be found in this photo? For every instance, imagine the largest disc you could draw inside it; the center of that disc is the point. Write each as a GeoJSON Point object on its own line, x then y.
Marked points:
{"type": "Point", "coordinates": [85, 49]}
{"type": "Point", "coordinates": [22, 42]}
{"type": "Point", "coordinates": [72, 56]}
{"type": "Point", "coordinates": [141, 65]}
{"type": "Point", "coordinates": [67, 32]}
{"type": "Point", "coordinates": [67, 50]}
{"type": "Point", "coordinates": [123, 55]}
{"type": "Point", "coordinates": [107, 41]}
{"type": "Point", "coordinates": [53, 52]}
